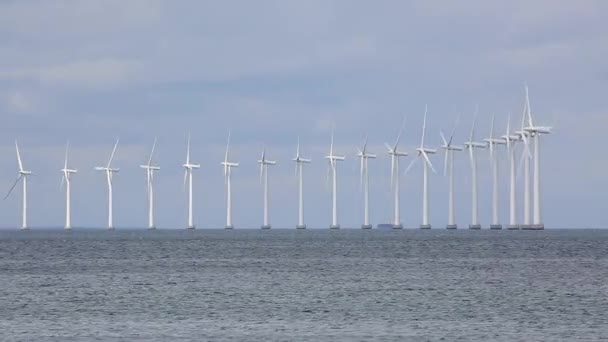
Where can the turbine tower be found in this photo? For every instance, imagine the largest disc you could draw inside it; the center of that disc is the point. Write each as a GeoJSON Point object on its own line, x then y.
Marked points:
{"type": "Point", "coordinates": [23, 174]}
{"type": "Point", "coordinates": [448, 166]}
{"type": "Point", "coordinates": [424, 152]}
{"type": "Point", "coordinates": [299, 173]}
{"type": "Point", "coordinates": [364, 156]}
{"type": "Point", "coordinates": [394, 152]}
{"type": "Point", "coordinates": [150, 169]}
{"type": "Point", "coordinates": [510, 139]}
{"type": "Point", "coordinates": [536, 132]}
{"type": "Point", "coordinates": [66, 179]}
{"type": "Point", "coordinates": [492, 143]}
{"type": "Point", "coordinates": [109, 171]}
{"type": "Point", "coordinates": [264, 163]}
{"type": "Point", "coordinates": [188, 168]}
{"type": "Point", "coordinates": [227, 180]}
{"type": "Point", "coordinates": [471, 145]}
{"type": "Point", "coordinates": [333, 168]}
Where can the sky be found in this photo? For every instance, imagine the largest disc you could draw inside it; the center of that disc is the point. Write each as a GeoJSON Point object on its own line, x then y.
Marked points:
{"type": "Point", "coordinates": [272, 71]}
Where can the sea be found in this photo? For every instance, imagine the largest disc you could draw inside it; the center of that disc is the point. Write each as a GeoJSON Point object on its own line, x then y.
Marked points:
{"type": "Point", "coordinates": [303, 285]}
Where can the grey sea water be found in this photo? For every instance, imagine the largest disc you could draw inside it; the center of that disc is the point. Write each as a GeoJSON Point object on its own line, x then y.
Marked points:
{"type": "Point", "coordinates": [314, 285]}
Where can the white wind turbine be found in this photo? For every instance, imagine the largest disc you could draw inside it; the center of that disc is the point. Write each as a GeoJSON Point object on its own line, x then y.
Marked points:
{"type": "Point", "coordinates": [23, 174]}
{"type": "Point", "coordinates": [150, 169]}
{"type": "Point", "coordinates": [448, 164]}
{"type": "Point", "coordinates": [68, 192]}
{"type": "Point", "coordinates": [524, 136]}
{"type": "Point", "coordinates": [188, 168]}
{"type": "Point", "coordinates": [510, 139]}
{"type": "Point", "coordinates": [364, 156]}
{"type": "Point", "coordinates": [300, 174]}
{"type": "Point", "coordinates": [333, 168]}
{"type": "Point", "coordinates": [471, 145]}
{"type": "Point", "coordinates": [536, 132]}
{"type": "Point", "coordinates": [264, 163]}
{"type": "Point", "coordinates": [424, 153]}
{"type": "Point", "coordinates": [227, 179]}
{"type": "Point", "coordinates": [394, 152]}
{"type": "Point", "coordinates": [492, 143]}
{"type": "Point", "coordinates": [109, 171]}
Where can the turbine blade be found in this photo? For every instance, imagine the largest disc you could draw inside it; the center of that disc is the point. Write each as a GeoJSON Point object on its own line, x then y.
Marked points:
{"type": "Point", "coordinates": [62, 180]}
{"type": "Point", "coordinates": [113, 152]}
{"type": "Point", "coordinates": [261, 171]}
{"type": "Point", "coordinates": [508, 135]}
{"type": "Point", "coordinates": [409, 167]}
{"type": "Point", "coordinates": [188, 151]}
{"type": "Point", "coordinates": [364, 150]}
{"type": "Point", "coordinates": [529, 109]}
{"type": "Point", "coordinates": [152, 152]}
{"type": "Point", "coordinates": [400, 133]}
{"type": "Point", "coordinates": [445, 142]}
{"type": "Point", "coordinates": [227, 147]}
{"type": "Point", "coordinates": [454, 130]}
{"type": "Point", "coordinates": [424, 126]}
{"type": "Point", "coordinates": [390, 149]}
{"type": "Point", "coordinates": [473, 126]}
{"type": "Point", "coordinates": [331, 146]}
{"type": "Point", "coordinates": [67, 148]}
{"type": "Point", "coordinates": [298, 149]}
{"type": "Point", "coordinates": [393, 169]}
{"type": "Point", "coordinates": [361, 166]}
{"type": "Point", "coordinates": [185, 177]}
{"type": "Point", "coordinates": [428, 161]}
{"type": "Point", "coordinates": [12, 187]}
{"type": "Point", "coordinates": [18, 157]}
{"type": "Point", "coordinates": [445, 163]}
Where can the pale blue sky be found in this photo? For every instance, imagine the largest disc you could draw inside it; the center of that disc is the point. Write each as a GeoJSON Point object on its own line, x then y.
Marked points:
{"type": "Point", "coordinates": [272, 70]}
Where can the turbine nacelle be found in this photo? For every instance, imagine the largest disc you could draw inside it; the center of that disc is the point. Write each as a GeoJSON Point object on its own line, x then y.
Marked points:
{"type": "Point", "coordinates": [425, 150]}
{"type": "Point", "coordinates": [267, 162]}
{"type": "Point", "coordinates": [25, 173]}
{"type": "Point", "coordinates": [229, 164]}
{"type": "Point", "coordinates": [472, 144]}
{"type": "Point", "coordinates": [452, 148]}
{"type": "Point", "coordinates": [334, 158]}
{"type": "Point", "coordinates": [301, 160]}
{"type": "Point", "coordinates": [538, 129]}
{"type": "Point", "coordinates": [190, 166]}
{"type": "Point", "coordinates": [106, 169]}
{"type": "Point", "coordinates": [68, 171]}
{"type": "Point", "coordinates": [495, 141]}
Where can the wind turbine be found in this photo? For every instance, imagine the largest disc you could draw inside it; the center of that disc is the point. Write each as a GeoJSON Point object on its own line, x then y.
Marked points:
{"type": "Point", "coordinates": [66, 178]}
{"type": "Point", "coordinates": [150, 169]}
{"type": "Point", "coordinates": [23, 174]}
{"type": "Point", "coordinates": [394, 152]}
{"type": "Point", "coordinates": [448, 164]}
{"type": "Point", "coordinates": [227, 179]}
{"type": "Point", "coordinates": [299, 173]}
{"type": "Point", "coordinates": [188, 168]}
{"type": "Point", "coordinates": [364, 156]}
{"type": "Point", "coordinates": [424, 152]}
{"type": "Point", "coordinates": [510, 139]}
{"type": "Point", "coordinates": [471, 145]}
{"type": "Point", "coordinates": [536, 132]}
{"type": "Point", "coordinates": [492, 143]}
{"type": "Point", "coordinates": [525, 136]}
{"type": "Point", "coordinates": [109, 171]}
{"type": "Point", "coordinates": [264, 179]}
{"type": "Point", "coordinates": [333, 168]}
